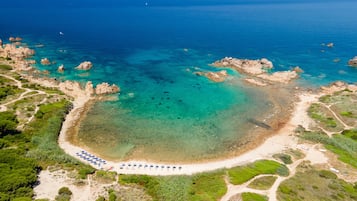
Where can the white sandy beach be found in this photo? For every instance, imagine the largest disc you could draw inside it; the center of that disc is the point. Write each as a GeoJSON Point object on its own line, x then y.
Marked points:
{"type": "Point", "coordinates": [279, 142]}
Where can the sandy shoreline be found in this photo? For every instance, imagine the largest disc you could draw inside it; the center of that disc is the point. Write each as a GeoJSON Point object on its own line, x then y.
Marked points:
{"type": "Point", "coordinates": [278, 142]}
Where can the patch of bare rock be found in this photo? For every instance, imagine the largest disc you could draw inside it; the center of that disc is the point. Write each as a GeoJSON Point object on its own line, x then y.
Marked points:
{"type": "Point", "coordinates": [86, 65]}
{"type": "Point", "coordinates": [353, 62]}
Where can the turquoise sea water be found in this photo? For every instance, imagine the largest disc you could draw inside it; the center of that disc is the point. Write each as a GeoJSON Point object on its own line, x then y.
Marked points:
{"type": "Point", "coordinates": [165, 112]}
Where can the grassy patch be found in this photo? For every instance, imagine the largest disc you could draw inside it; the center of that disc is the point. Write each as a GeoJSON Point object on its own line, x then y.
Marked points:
{"type": "Point", "coordinates": [350, 134]}
{"type": "Point", "coordinates": [316, 112]}
{"type": "Point", "coordinates": [207, 186]}
{"type": "Point", "coordinates": [253, 197]}
{"type": "Point", "coordinates": [239, 175]}
{"type": "Point", "coordinates": [5, 67]}
{"type": "Point", "coordinates": [316, 185]}
{"type": "Point", "coordinates": [263, 183]}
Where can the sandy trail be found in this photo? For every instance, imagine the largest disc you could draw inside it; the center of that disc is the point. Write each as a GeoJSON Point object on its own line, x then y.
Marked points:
{"type": "Point", "coordinates": [312, 153]}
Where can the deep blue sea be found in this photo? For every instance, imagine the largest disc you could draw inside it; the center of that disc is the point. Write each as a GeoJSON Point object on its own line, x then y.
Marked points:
{"type": "Point", "coordinates": [164, 111]}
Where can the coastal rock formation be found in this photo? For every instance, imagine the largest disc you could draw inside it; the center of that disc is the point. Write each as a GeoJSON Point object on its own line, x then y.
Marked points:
{"type": "Point", "coordinates": [338, 86]}
{"type": "Point", "coordinates": [45, 62]}
{"type": "Point", "coordinates": [297, 69]}
{"type": "Point", "coordinates": [219, 76]}
{"type": "Point", "coordinates": [258, 69]}
{"type": "Point", "coordinates": [89, 88]}
{"type": "Point", "coordinates": [353, 62]}
{"type": "Point", "coordinates": [60, 68]}
{"type": "Point", "coordinates": [253, 67]}
{"type": "Point", "coordinates": [86, 65]}
{"type": "Point", "coordinates": [15, 39]}
{"type": "Point", "coordinates": [256, 82]}
{"type": "Point", "coordinates": [105, 88]}
{"type": "Point", "coordinates": [16, 53]}
{"type": "Point", "coordinates": [0, 42]}
{"type": "Point", "coordinates": [281, 76]}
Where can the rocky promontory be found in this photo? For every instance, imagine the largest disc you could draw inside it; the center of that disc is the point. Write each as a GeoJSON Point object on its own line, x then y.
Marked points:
{"type": "Point", "coordinates": [353, 62]}
{"type": "Point", "coordinates": [86, 65]}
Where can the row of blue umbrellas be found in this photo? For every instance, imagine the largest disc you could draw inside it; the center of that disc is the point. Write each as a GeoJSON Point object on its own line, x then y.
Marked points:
{"type": "Point", "coordinates": [134, 165]}
{"type": "Point", "coordinates": [91, 158]}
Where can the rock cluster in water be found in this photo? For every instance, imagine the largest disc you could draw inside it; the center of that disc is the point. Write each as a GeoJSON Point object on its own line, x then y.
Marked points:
{"type": "Point", "coordinates": [257, 70]}
{"type": "Point", "coordinates": [45, 62]}
{"type": "Point", "coordinates": [353, 62]}
{"type": "Point", "coordinates": [15, 39]}
{"type": "Point", "coordinates": [86, 65]}
{"type": "Point", "coordinates": [19, 58]}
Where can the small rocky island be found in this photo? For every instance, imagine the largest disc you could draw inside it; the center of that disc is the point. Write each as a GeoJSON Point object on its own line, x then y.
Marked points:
{"type": "Point", "coordinates": [257, 71]}
{"type": "Point", "coordinates": [353, 62]}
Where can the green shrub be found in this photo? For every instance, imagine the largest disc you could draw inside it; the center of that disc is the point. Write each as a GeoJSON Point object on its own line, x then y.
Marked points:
{"type": "Point", "coordinates": [100, 198]}
{"type": "Point", "coordinates": [327, 174]}
{"type": "Point", "coordinates": [8, 123]}
{"type": "Point", "coordinates": [5, 67]}
{"type": "Point", "coordinates": [285, 158]}
{"type": "Point", "coordinates": [64, 194]}
{"type": "Point", "coordinates": [112, 196]}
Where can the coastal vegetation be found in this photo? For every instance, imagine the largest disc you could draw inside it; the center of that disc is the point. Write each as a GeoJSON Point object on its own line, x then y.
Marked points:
{"type": "Point", "coordinates": [253, 197]}
{"type": "Point", "coordinates": [263, 183]}
{"type": "Point", "coordinates": [242, 174]}
{"type": "Point", "coordinates": [24, 152]}
{"type": "Point", "coordinates": [312, 184]}
{"type": "Point", "coordinates": [205, 186]}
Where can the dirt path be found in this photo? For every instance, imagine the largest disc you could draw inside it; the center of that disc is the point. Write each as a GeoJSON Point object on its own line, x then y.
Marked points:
{"type": "Point", "coordinates": [311, 153]}
{"type": "Point", "coordinates": [3, 107]}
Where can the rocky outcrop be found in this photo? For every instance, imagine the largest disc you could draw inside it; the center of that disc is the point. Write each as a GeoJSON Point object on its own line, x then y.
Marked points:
{"type": "Point", "coordinates": [60, 68]}
{"type": "Point", "coordinates": [89, 88]}
{"type": "Point", "coordinates": [86, 65]}
{"type": "Point", "coordinates": [297, 69]}
{"type": "Point", "coordinates": [338, 86]}
{"type": "Point", "coordinates": [353, 62]}
{"type": "Point", "coordinates": [16, 53]}
{"type": "Point", "coordinates": [0, 42]}
{"type": "Point", "coordinates": [15, 39]}
{"type": "Point", "coordinates": [253, 67]}
{"type": "Point", "coordinates": [256, 82]}
{"type": "Point", "coordinates": [258, 69]}
{"type": "Point", "coordinates": [219, 76]}
{"type": "Point", "coordinates": [45, 62]}
{"type": "Point", "coordinates": [105, 88]}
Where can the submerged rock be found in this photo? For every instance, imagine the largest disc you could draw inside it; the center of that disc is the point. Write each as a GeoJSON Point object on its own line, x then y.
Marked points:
{"type": "Point", "coordinates": [86, 65]}
{"type": "Point", "coordinates": [353, 62]}
{"type": "Point", "coordinates": [219, 76]}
